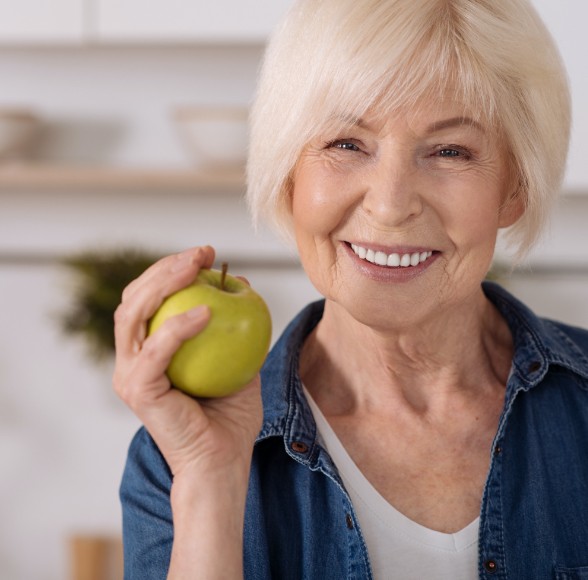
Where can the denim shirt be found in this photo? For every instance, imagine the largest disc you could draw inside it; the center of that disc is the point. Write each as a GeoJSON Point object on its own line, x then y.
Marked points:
{"type": "Point", "coordinates": [299, 521]}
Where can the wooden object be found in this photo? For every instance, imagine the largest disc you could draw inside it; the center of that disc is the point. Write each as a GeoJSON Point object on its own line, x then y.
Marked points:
{"type": "Point", "coordinates": [94, 557]}
{"type": "Point", "coordinates": [47, 177]}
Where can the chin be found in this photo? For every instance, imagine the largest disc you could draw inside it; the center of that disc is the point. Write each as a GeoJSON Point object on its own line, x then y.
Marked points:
{"type": "Point", "coordinates": [388, 314]}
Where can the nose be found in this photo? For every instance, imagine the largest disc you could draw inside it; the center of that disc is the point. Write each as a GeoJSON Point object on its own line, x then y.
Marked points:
{"type": "Point", "coordinates": [393, 195]}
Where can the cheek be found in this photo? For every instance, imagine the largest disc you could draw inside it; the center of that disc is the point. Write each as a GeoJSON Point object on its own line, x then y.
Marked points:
{"type": "Point", "coordinates": [471, 210]}
{"type": "Point", "coordinates": [475, 236]}
{"type": "Point", "coordinates": [317, 205]}
{"type": "Point", "coordinates": [478, 223]}
{"type": "Point", "coordinates": [315, 217]}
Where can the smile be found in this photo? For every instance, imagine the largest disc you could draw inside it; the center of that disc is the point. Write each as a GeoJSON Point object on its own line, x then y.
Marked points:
{"type": "Point", "coordinates": [391, 260]}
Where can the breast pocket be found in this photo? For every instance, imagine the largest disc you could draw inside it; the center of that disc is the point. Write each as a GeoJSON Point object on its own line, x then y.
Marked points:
{"type": "Point", "coordinates": [563, 573]}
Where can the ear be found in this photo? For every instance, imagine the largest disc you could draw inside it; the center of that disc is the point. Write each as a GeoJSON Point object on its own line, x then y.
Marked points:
{"type": "Point", "coordinates": [288, 189]}
{"type": "Point", "coordinates": [514, 204]}
{"type": "Point", "coordinates": [512, 210]}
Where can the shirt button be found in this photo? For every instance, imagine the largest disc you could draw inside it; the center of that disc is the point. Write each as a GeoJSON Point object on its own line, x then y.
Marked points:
{"type": "Point", "coordinates": [349, 521]}
{"type": "Point", "coordinates": [490, 566]}
{"type": "Point", "coordinates": [534, 366]}
{"type": "Point", "coordinates": [299, 447]}
{"type": "Point", "coordinates": [497, 450]}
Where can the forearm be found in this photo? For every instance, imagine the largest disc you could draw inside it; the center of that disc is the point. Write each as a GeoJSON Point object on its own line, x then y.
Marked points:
{"type": "Point", "coordinates": [208, 514]}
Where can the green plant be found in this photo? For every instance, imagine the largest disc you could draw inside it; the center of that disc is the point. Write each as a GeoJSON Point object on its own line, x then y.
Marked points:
{"type": "Point", "coordinates": [98, 281]}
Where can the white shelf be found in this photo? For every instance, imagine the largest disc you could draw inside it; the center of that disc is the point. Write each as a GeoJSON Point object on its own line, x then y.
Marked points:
{"type": "Point", "coordinates": [51, 177]}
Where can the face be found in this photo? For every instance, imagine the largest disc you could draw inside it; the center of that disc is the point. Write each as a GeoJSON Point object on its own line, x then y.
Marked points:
{"type": "Point", "coordinates": [402, 211]}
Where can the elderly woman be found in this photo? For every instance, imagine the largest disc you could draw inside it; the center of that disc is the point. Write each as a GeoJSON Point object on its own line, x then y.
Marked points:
{"type": "Point", "coordinates": [417, 423]}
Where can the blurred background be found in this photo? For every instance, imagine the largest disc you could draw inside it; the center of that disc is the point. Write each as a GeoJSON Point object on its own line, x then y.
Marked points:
{"type": "Point", "coordinates": [122, 138]}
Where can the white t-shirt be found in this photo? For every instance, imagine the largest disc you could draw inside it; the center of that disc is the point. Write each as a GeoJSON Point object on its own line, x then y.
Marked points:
{"type": "Point", "coordinates": [399, 548]}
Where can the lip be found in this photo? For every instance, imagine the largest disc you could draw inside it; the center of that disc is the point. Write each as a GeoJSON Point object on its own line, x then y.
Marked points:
{"type": "Point", "coordinates": [387, 273]}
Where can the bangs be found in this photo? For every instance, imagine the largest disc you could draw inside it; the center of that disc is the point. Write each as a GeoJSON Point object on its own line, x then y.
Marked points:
{"type": "Point", "coordinates": [414, 57]}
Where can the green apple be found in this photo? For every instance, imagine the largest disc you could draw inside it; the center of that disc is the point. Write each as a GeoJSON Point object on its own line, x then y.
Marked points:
{"type": "Point", "coordinates": [231, 349]}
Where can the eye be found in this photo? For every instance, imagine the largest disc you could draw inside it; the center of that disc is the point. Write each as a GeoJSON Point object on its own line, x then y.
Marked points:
{"type": "Point", "coordinates": [452, 151]}
{"type": "Point", "coordinates": [342, 144]}
{"type": "Point", "coordinates": [449, 153]}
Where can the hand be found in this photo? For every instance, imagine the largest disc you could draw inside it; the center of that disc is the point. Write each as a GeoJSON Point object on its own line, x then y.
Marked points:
{"type": "Point", "coordinates": [194, 436]}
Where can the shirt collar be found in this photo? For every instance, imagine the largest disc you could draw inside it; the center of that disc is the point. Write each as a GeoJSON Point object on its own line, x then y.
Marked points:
{"type": "Point", "coordinates": [285, 407]}
{"type": "Point", "coordinates": [538, 344]}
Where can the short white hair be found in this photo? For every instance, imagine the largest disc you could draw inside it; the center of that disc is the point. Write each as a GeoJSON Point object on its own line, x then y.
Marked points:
{"type": "Point", "coordinates": [341, 57]}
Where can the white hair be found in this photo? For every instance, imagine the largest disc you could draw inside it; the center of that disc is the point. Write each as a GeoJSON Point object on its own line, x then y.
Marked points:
{"type": "Point", "coordinates": [341, 57]}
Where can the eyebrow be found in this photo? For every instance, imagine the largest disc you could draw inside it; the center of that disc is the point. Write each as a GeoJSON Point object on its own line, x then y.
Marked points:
{"type": "Point", "coordinates": [350, 120]}
{"type": "Point", "coordinates": [454, 122]}
{"type": "Point", "coordinates": [432, 128]}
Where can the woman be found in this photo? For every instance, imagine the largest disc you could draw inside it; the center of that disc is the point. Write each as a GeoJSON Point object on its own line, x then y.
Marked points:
{"type": "Point", "coordinates": [418, 423]}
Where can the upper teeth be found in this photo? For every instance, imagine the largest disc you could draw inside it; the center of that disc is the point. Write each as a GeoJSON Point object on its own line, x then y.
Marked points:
{"type": "Point", "coordinates": [394, 260]}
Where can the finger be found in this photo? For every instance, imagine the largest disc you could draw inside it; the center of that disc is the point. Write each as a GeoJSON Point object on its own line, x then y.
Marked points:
{"type": "Point", "coordinates": [166, 277]}
{"type": "Point", "coordinates": [156, 354]}
{"type": "Point", "coordinates": [202, 255]}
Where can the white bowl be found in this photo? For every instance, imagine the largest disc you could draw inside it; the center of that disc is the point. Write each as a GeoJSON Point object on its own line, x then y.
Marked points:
{"type": "Point", "coordinates": [18, 130]}
{"type": "Point", "coordinates": [214, 137]}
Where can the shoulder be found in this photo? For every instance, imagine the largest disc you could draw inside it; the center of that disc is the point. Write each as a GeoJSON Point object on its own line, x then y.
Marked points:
{"type": "Point", "coordinates": [541, 340]}
{"type": "Point", "coordinates": [577, 335]}
{"type": "Point", "coordinates": [568, 347]}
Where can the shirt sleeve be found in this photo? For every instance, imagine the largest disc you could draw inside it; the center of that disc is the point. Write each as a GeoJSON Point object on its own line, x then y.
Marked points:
{"type": "Point", "coordinates": [146, 511]}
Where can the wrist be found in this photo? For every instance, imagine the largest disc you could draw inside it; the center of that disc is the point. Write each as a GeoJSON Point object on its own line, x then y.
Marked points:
{"type": "Point", "coordinates": [194, 487]}
{"type": "Point", "coordinates": [208, 516]}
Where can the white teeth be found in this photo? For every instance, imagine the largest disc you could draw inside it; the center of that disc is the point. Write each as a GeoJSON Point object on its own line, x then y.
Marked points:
{"type": "Point", "coordinates": [381, 258]}
{"type": "Point", "coordinates": [392, 260]}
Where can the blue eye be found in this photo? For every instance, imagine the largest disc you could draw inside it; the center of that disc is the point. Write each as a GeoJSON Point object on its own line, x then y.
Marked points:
{"type": "Point", "coordinates": [341, 144]}
{"type": "Point", "coordinates": [449, 153]}
{"type": "Point", "coordinates": [453, 151]}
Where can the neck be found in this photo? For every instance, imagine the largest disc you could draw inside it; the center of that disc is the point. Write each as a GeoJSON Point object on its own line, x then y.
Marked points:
{"type": "Point", "coordinates": [464, 354]}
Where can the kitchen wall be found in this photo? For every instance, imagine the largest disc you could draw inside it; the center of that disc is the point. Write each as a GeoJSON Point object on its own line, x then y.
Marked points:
{"type": "Point", "coordinates": [63, 434]}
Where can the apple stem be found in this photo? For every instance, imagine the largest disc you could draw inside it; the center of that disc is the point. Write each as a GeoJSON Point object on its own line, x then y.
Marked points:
{"type": "Point", "coordinates": [224, 268]}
